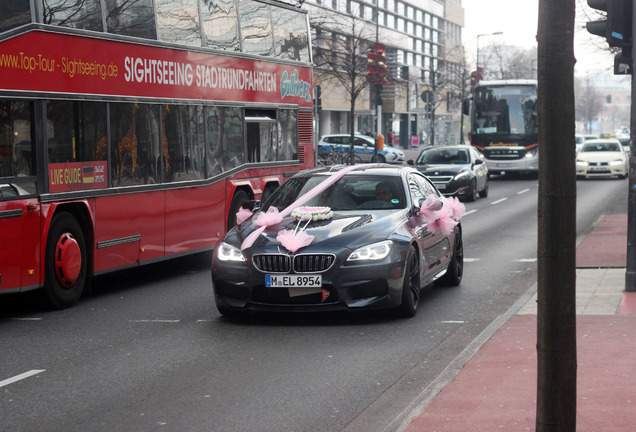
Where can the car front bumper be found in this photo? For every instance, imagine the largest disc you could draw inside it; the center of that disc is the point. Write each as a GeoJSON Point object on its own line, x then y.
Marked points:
{"type": "Point", "coordinates": [345, 286]}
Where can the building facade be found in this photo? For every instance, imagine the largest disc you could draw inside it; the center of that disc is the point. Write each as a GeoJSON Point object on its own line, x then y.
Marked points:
{"type": "Point", "coordinates": [424, 55]}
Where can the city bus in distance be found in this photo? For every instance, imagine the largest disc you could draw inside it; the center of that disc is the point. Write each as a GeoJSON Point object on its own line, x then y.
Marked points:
{"type": "Point", "coordinates": [131, 132]}
{"type": "Point", "coordinates": [503, 125]}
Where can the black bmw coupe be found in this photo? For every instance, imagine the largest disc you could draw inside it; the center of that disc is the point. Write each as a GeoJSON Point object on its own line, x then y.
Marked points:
{"type": "Point", "coordinates": [346, 238]}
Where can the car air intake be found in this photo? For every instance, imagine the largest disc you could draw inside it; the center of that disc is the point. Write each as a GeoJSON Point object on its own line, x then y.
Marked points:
{"type": "Point", "coordinates": [313, 263]}
{"type": "Point", "coordinates": [275, 263]}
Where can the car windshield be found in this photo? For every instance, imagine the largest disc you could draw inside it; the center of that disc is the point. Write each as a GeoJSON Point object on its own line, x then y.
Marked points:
{"type": "Point", "coordinates": [601, 147]}
{"type": "Point", "coordinates": [351, 192]}
{"type": "Point", "coordinates": [444, 156]}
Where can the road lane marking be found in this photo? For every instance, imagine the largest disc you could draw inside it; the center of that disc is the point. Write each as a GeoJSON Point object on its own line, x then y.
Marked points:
{"type": "Point", "coordinates": [26, 319]}
{"type": "Point", "coordinates": [499, 201]}
{"type": "Point", "coordinates": [169, 321]}
{"type": "Point", "coordinates": [471, 259]}
{"type": "Point", "coordinates": [21, 377]}
{"type": "Point", "coordinates": [469, 212]}
{"type": "Point", "coordinates": [523, 191]}
{"type": "Point", "coordinates": [452, 322]}
{"type": "Point", "coordinates": [526, 260]}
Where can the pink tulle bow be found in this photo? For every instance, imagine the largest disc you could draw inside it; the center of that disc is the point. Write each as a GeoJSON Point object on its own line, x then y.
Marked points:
{"type": "Point", "coordinates": [293, 241]}
{"type": "Point", "coordinates": [242, 215]}
{"type": "Point", "coordinates": [444, 223]}
{"type": "Point", "coordinates": [430, 207]}
{"type": "Point", "coordinates": [456, 208]}
{"type": "Point", "coordinates": [269, 218]}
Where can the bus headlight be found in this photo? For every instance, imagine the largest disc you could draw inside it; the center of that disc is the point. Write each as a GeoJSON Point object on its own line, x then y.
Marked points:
{"type": "Point", "coordinates": [531, 153]}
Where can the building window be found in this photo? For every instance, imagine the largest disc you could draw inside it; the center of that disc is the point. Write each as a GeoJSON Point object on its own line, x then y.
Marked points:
{"type": "Point", "coordinates": [178, 21]}
{"type": "Point", "coordinates": [131, 18]}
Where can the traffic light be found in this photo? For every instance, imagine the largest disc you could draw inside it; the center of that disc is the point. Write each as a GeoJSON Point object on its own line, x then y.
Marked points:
{"type": "Point", "coordinates": [616, 29]}
{"type": "Point", "coordinates": [475, 77]}
{"type": "Point", "coordinates": [376, 64]}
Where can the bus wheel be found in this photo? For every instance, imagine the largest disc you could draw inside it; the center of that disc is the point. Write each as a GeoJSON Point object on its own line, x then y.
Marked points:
{"type": "Point", "coordinates": [269, 189]}
{"type": "Point", "coordinates": [240, 197]}
{"type": "Point", "coordinates": [65, 266]}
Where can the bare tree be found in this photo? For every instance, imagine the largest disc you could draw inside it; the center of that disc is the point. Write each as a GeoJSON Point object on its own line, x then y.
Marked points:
{"type": "Point", "coordinates": [447, 80]}
{"type": "Point", "coordinates": [588, 102]}
{"type": "Point", "coordinates": [340, 49]}
{"type": "Point", "coordinates": [556, 318]}
{"type": "Point", "coordinates": [509, 62]}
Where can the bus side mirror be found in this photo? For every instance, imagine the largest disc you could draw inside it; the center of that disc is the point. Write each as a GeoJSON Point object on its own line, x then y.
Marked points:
{"type": "Point", "coordinates": [466, 106]}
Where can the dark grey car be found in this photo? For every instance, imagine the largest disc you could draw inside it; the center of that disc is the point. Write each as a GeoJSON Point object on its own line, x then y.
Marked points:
{"type": "Point", "coordinates": [370, 250]}
{"type": "Point", "coordinates": [457, 171]}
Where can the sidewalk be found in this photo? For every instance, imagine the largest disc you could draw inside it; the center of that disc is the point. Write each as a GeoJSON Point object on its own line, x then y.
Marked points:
{"type": "Point", "coordinates": [496, 389]}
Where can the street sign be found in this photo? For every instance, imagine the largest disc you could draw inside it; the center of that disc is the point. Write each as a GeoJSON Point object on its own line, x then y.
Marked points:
{"type": "Point", "coordinates": [428, 96]}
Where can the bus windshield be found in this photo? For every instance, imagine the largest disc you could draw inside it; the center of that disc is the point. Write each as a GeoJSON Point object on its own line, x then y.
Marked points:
{"type": "Point", "coordinates": [505, 110]}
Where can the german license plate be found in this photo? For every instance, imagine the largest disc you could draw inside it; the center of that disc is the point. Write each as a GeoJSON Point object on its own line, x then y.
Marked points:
{"type": "Point", "coordinates": [503, 165]}
{"type": "Point", "coordinates": [440, 186]}
{"type": "Point", "coordinates": [293, 281]}
{"type": "Point", "coordinates": [596, 169]}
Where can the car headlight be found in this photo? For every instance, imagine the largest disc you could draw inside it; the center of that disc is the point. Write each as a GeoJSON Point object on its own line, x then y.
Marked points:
{"type": "Point", "coordinates": [579, 161]}
{"type": "Point", "coordinates": [228, 252]}
{"type": "Point", "coordinates": [461, 175]}
{"type": "Point", "coordinates": [616, 162]}
{"type": "Point", "coordinates": [373, 252]}
{"type": "Point", "coordinates": [531, 153]}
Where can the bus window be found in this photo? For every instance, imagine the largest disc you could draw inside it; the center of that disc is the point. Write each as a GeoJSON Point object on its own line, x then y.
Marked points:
{"type": "Point", "coordinates": [76, 131]}
{"type": "Point", "coordinates": [256, 28]}
{"type": "Point", "coordinates": [290, 32]}
{"type": "Point", "coordinates": [288, 126]}
{"type": "Point", "coordinates": [178, 22]}
{"type": "Point", "coordinates": [14, 14]}
{"type": "Point", "coordinates": [85, 15]}
{"type": "Point", "coordinates": [261, 135]}
{"type": "Point", "coordinates": [224, 139]}
{"type": "Point", "coordinates": [220, 24]}
{"type": "Point", "coordinates": [131, 18]}
{"type": "Point", "coordinates": [16, 144]}
{"type": "Point", "coordinates": [136, 145]}
{"type": "Point", "coordinates": [185, 144]}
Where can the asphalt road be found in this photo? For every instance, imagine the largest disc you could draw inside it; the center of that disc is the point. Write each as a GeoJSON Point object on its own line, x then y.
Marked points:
{"type": "Point", "coordinates": [147, 350]}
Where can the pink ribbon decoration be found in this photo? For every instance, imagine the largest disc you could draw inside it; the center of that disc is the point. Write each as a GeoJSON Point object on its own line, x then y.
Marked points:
{"type": "Point", "coordinates": [269, 218]}
{"type": "Point", "coordinates": [430, 207]}
{"type": "Point", "coordinates": [242, 215]}
{"type": "Point", "coordinates": [444, 224]}
{"type": "Point", "coordinates": [293, 241]}
{"type": "Point", "coordinates": [320, 187]}
{"type": "Point", "coordinates": [457, 208]}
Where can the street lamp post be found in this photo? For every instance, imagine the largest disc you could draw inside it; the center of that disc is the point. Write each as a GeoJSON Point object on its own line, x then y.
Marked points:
{"type": "Point", "coordinates": [484, 34]}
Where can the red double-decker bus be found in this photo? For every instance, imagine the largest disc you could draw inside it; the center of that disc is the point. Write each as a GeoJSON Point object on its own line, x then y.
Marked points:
{"type": "Point", "coordinates": [131, 131]}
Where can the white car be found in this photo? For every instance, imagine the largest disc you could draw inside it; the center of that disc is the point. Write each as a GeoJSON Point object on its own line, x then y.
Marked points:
{"type": "Point", "coordinates": [601, 158]}
{"type": "Point", "coordinates": [363, 148]}
{"type": "Point", "coordinates": [582, 138]}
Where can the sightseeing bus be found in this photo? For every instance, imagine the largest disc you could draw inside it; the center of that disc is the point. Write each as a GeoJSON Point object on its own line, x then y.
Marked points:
{"type": "Point", "coordinates": [131, 131]}
{"type": "Point", "coordinates": [503, 125]}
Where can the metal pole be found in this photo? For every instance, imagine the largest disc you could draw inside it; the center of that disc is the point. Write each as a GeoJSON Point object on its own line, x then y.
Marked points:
{"type": "Point", "coordinates": [630, 274]}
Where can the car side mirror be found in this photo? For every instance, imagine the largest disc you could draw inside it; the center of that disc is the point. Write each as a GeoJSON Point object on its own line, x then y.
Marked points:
{"type": "Point", "coordinates": [252, 205]}
{"type": "Point", "coordinates": [411, 162]}
{"type": "Point", "coordinates": [478, 161]}
{"type": "Point", "coordinates": [433, 206]}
